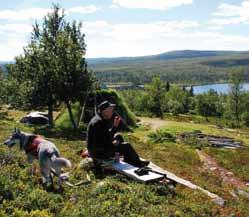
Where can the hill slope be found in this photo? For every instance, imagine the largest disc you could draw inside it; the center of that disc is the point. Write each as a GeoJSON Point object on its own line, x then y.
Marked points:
{"type": "Point", "coordinates": [21, 193]}
{"type": "Point", "coordinates": [184, 67]}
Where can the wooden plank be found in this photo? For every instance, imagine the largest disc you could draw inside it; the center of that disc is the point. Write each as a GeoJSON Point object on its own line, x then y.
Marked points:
{"type": "Point", "coordinates": [171, 176]}
{"type": "Point", "coordinates": [129, 170]}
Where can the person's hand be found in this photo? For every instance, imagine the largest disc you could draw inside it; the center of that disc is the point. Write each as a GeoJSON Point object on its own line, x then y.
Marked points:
{"type": "Point", "coordinates": [115, 142]}
{"type": "Point", "coordinates": [116, 121]}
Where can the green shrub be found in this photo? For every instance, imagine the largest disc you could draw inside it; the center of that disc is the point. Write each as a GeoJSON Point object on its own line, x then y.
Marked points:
{"type": "Point", "coordinates": [5, 190]}
{"type": "Point", "coordinates": [63, 120]}
{"type": "Point", "coordinates": [35, 213]}
{"type": "Point", "coordinates": [121, 106]}
{"type": "Point", "coordinates": [161, 136]}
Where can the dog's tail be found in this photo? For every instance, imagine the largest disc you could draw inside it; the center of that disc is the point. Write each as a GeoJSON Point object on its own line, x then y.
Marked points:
{"type": "Point", "coordinates": [61, 161]}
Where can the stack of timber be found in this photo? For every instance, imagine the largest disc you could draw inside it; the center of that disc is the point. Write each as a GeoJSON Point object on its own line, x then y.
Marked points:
{"type": "Point", "coordinates": [211, 140]}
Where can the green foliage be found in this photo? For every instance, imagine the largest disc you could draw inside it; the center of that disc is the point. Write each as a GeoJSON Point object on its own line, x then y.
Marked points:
{"type": "Point", "coordinates": [117, 195]}
{"type": "Point", "coordinates": [121, 106]}
{"type": "Point", "coordinates": [178, 100]}
{"type": "Point", "coordinates": [53, 68]}
{"type": "Point", "coordinates": [209, 104]}
{"type": "Point", "coordinates": [235, 96]}
{"type": "Point", "coordinates": [137, 101]}
{"type": "Point", "coordinates": [63, 120]}
{"type": "Point", "coordinates": [161, 136]}
{"type": "Point", "coordinates": [229, 110]}
{"type": "Point", "coordinates": [156, 99]}
{"type": "Point", "coordinates": [191, 138]}
{"type": "Point", "coordinates": [187, 69]}
{"type": "Point", "coordinates": [155, 92]}
{"type": "Point", "coordinates": [235, 161]}
{"type": "Point", "coordinates": [2, 89]}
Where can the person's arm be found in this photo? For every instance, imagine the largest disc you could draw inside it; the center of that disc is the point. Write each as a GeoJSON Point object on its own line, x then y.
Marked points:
{"type": "Point", "coordinates": [116, 122]}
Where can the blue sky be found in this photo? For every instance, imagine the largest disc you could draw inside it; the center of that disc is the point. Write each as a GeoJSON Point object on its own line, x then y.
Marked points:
{"type": "Point", "coordinates": [133, 27]}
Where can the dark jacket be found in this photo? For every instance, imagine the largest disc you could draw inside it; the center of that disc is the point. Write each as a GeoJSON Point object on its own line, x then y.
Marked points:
{"type": "Point", "coordinates": [100, 134]}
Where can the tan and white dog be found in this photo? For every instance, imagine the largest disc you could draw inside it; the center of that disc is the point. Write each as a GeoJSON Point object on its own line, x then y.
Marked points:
{"type": "Point", "coordinates": [45, 151]}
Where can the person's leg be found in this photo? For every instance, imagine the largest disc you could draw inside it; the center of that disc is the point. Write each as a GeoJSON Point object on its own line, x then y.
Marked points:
{"type": "Point", "coordinates": [118, 137]}
{"type": "Point", "coordinates": [130, 155]}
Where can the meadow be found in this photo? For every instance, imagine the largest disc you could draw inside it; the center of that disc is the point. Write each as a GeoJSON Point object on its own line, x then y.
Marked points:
{"type": "Point", "coordinates": [22, 194]}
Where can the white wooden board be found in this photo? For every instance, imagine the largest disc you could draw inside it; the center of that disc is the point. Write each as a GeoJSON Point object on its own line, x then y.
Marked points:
{"type": "Point", "coordinates": [129, 170]}
{"type": "Point", "coordinates": [171, 176]}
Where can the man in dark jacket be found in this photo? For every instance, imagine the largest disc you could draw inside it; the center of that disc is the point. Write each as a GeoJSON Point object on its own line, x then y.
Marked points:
{"type": "Point", "coordinates": [101, 141]}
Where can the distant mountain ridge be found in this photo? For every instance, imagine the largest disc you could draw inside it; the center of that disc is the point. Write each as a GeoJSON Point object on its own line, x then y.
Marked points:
{"type": "Point", "coordinates": [171, 55]}
{"type": "Point", "coordinates": [182, 67]}
{"type": "Point", "coordinates": [186, 67]}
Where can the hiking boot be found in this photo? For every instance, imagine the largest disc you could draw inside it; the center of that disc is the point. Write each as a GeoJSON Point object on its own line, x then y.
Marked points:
{"type": "Point", "coordinates": [144, 163]}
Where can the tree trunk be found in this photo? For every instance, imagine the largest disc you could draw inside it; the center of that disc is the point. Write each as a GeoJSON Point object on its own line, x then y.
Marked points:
{"type": "Point", "coordinates": [82, 112]}
{"type": "Point", "coordinates": [206, 118]}
{"type": "Point", "coordinates": [50, 115]}
{"type": "Point", "coordinates": [71, 114]}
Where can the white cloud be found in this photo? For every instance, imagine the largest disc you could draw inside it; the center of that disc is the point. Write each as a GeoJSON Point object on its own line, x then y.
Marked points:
{"type": "Point", "coordinates": [26, 14]}
{"type": "Point", "coordinates": [16, 27]}
{"type": "Point", "coordinates": [197, 40]}
{"type": "Point", "coordinates": [11, 46]}
{"type": "Point", "coordinates": [39, 13]}
{"type": "Point", "coordinates": [227, 14]}
{"type": "Point", "coordinates": [113, 6]}
{"type": "Point", "coordinates": [151, 4]}
{"type": "Point", "coordinates": [84, 10]}
{"type": "Point", "coordinates": [132, 39]}
{"type": "Point", "coordinates": [149, 30]}
{"type": "Point", "coordinates": [136, 31]}
{"type": "Point", "coordinates": [14, 36]}
{"type": "Point", "coordinates": [227, 10]}
{"type": "Point", "coordinates": [136, 39]}
{"type": "Point", "coordinates": [107, 40]}
{"type": "Point", "coordinates": [97, 27]}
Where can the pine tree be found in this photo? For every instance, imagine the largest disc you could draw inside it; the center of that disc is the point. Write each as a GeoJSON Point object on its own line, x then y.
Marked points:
{"type": "Point", "coordinates": [53, 65]}
{"type": "Point", "coordinates": [236, 94]}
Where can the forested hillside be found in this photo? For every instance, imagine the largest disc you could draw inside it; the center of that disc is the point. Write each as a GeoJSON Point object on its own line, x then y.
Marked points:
{"type": "Point", "coordinates": [182, 67]}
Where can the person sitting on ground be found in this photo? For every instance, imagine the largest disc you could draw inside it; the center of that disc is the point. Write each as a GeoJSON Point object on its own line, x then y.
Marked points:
{"type": "Point", "coordinates": [102, 138]}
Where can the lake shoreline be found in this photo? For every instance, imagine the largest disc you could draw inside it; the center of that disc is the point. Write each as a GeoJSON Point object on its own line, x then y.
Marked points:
{"type": "Point", "coordinates": [221, 88]}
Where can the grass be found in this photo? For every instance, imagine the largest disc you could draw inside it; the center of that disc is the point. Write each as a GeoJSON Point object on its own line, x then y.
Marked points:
{"type": "Point", "coordinates": [21, 192]}
{"type": "Point", "coordinates": [63, 120]}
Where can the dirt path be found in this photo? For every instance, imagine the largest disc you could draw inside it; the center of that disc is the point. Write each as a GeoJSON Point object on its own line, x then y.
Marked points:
{"type": "Point", "coordinates": [153, 123]}
{"type": "Point", "coordinates": [227, 177]}
{"type": "Point", "coordinates": [209, 163]}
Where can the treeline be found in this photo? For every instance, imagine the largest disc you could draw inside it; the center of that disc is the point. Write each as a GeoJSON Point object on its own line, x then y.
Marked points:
{"type": "Point", "coordinates": [182, 71]}
{"type": "Point", "coordinates": [52, 71]}
{"type": "Point", "coordinates": [159, 98]}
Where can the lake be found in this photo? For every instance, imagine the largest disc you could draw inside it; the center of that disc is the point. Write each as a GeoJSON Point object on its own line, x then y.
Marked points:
{"type": "Point", "coordinates": [220, 88]}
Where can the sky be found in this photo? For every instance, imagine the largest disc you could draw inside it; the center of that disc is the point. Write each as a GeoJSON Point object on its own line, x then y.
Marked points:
{"type": "Point", "coordinates": [115, 28]}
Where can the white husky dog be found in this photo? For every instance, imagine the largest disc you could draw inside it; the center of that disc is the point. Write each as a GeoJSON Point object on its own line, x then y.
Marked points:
{"type": "Point", "coordinates": [45, 151]}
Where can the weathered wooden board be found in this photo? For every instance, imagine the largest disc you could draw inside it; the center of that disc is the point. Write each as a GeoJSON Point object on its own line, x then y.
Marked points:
{"type": "Point", "coordinates": [212, 140]}
{"type": "Point", "coordinates": [171, 176]}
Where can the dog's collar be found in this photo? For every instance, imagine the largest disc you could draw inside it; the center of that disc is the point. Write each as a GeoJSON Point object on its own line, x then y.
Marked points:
{"type": "Point", "coordinates": [32, 146]}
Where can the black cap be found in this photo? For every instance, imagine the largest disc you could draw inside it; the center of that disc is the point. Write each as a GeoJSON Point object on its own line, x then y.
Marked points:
{"type": "Point", "coordinates": [105, 104]}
